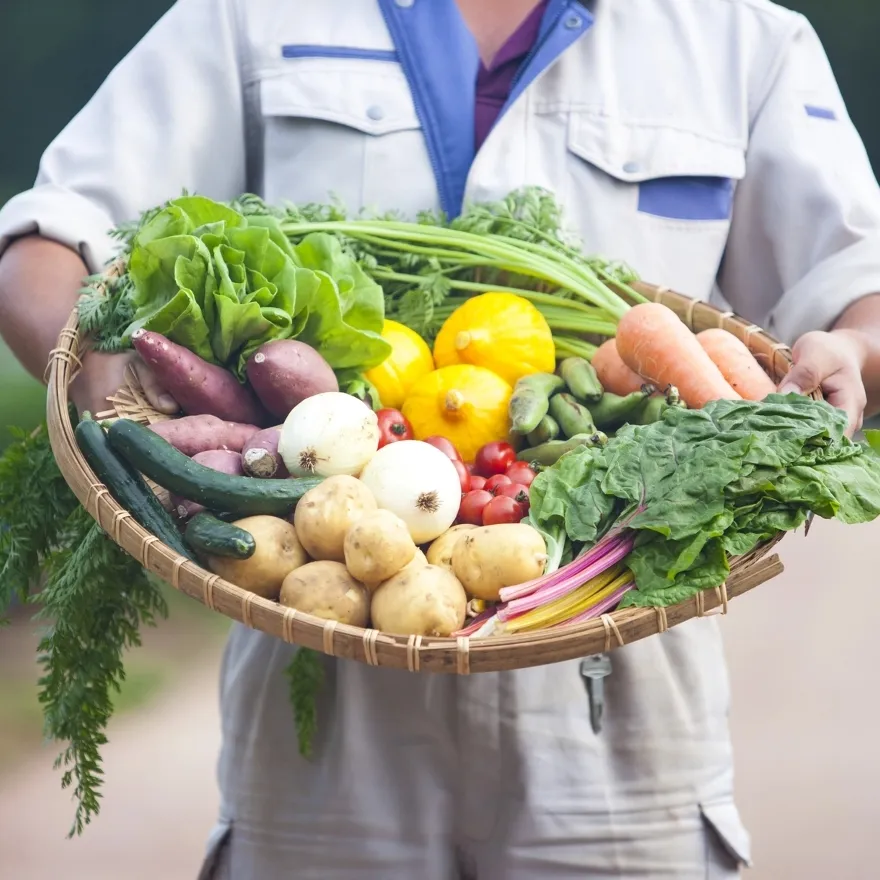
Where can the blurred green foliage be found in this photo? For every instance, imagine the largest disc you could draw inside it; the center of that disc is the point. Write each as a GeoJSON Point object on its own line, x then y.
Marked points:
{"type": "Point", "coordinates": [55, 53]}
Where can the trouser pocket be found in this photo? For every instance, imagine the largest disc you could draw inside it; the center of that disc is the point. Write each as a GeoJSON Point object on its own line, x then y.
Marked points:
{"type": "Point", "coordinates": [728, 842]}
{"type": "Point", "coordinates": [216, 863]}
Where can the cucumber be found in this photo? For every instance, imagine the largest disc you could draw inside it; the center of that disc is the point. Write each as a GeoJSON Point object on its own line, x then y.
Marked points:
{"type": "Point", "coordinates": [176, 472]}
{"type": "Point", "coordinates": [127, 486]}
{"type": "Point", "coordinates": [213, 537]}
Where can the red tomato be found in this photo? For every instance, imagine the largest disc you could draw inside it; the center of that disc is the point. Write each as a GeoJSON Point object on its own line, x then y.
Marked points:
{"type": "Point", "coordinates": [445, 446]}
{"type": "Point", "coordinates": [494, 458]}
{"type": "Point", "coordinates": [470, 467]}
{"type": "Point", "coordinates": [463, 476]}
{"type": "Point", "coordinates": [493, 484]}
{"type": "Point", "coordinates": [471, 510]}
{"type": "Point", "coordinates": [477, 482]}
{"type": "Point", "coordinates": [518, 492]}
{"type": "Point", "coordinates": [520, 472]}
{"type": "Point", "coordinates": [502, 509]}
{"type": "Point", "coordinates": [393, 426]}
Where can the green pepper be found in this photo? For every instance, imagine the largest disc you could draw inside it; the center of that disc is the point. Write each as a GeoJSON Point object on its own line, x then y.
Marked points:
{"type": "Point", "coordinates": [530, 400]}
{"type": "Point", "coordinates": [613, 410]}
{"type": "Point", "coordinates": [572, 417]}
{"type": "Point", "coordinates": [581, 379]}
{"type": "Point", "coordinates": [549, 453]}
{"type": "Point", "coordinates": [548, 429]}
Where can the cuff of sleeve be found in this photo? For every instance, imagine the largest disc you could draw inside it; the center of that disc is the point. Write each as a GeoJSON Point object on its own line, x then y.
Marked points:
{"type": "Point", "coordinates": [821, 296]}
{"type": "Point", "coordinates": [60, 215]}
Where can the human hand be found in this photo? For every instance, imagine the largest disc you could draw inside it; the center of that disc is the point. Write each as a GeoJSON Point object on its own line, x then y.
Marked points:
{"type": "Point", "coordinates": [103, 374]}
{"type": "Point", "coordinates": [833, 362]}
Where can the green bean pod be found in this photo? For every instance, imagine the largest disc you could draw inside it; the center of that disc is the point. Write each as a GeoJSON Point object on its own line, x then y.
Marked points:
{"type": "Point", "coordinates": [656, 406]}
{"type": "Point", "coordinates": [573, 417]}
{"type": "Point", "coordinates": [612, 410]}
{"type": "Point", "coordinates": [530, 400]}
{"type": "Point", "coordinates": [548, 454]}
{"type": "Point", "coordinates": [548, 429]}
{"type": "Point", "coordinates": [581, 379]}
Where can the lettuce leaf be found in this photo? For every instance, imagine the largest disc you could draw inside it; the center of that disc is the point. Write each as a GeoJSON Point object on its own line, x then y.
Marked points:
{"type": "Point", "coordinates": [222, 284]}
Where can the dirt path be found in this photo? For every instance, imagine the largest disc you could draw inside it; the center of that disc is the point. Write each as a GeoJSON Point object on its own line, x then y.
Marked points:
{"type": "Point", "coordinates": [159, 796]}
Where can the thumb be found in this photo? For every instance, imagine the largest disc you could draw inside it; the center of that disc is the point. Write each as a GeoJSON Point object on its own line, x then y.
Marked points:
{"type": "Point", "coordinates": [155, 393]}
{"type": "Point", "coordinates": [811, 366]}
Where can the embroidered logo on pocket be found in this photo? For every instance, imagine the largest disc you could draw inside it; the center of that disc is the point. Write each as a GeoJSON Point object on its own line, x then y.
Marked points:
{"type": "Point", "coordinates": [687, 198]}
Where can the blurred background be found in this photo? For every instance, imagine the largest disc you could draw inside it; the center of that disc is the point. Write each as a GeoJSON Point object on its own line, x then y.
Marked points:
{"type": "Point", "coordinates": [804, 716]}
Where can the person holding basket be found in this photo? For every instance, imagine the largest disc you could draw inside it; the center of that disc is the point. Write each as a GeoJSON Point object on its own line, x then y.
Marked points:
{"type": "Point", "coordinates": [707, 145]}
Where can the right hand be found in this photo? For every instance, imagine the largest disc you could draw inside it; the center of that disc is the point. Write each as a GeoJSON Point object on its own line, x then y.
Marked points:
{"type": "Point", "coordinates": [103, 375]}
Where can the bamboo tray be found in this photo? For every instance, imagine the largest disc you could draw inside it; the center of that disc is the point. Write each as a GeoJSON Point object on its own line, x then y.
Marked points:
{"type": "Point", "coordinates": [415, 653]}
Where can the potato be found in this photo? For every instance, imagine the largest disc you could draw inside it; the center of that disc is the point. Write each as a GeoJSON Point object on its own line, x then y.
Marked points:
{"type": "Point", "coordinates": [491, 557]}
{"type": "Point", "coordinates": [377, 546]}
{"type": "Point", "coordinates": [423, 600]}
{"type": "Point", "coordinates": [440, 551]}
{"type": "Point", "coordinates": [284, 372]}
{"type": "Point", "coordinates": [327, 590]}
{"type": "Point", "coordinates": [278, 553]}
{"type": "Point", "coordinates": [326, 513]}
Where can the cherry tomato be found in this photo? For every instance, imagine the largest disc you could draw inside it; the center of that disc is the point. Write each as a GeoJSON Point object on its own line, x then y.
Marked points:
{"type": "Point", "coordinates": [518, 492]}
{"type": "Point", "coordinates": [502, 509]}
{"type": "Point", "coordinates": [393, 426]}
{"type": "Point", "coordinates": [471, 510]}
{"type": "Point", "coordinates": [493, 484]}
{"type": "Point", "coordinates": [520, 472]}
{"type": "Point", "coordinates": [463, 476]}
{"type": "Point", "coordinates": [477, 482]}
{"type": "Point", "coordinates": [445, 446]}
{"type": "Point", "coordinates": [470, 467]}
{"type": "Point", "coordinates": [494, 458]}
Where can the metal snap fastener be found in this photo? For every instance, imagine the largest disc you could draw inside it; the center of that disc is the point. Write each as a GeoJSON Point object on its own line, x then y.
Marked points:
{"type": "Point", "coordinates": [405, 3]}
{"type": "Point", "coordinates": [573, 21]}
{"type": "Point", "coordinates": [375, 112]}
{"type": "Point", "coordinates": [631, 167]}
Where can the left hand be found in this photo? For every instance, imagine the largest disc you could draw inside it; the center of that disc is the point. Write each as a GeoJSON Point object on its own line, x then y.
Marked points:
{"type": "Point", "coordinates": [831, 361]}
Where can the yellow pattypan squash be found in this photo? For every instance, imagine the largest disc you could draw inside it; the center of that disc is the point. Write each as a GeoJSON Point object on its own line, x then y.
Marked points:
{"type": "Point", "coordinates": [465, 404]}
{"type": "Point", "coordinates": [499, 331]}
{"type": "Point", "coordinates": [410, 359]}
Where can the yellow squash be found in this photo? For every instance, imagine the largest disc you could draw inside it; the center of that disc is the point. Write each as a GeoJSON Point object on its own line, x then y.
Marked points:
{"type": "Point", "coordinates": [410, 359]}
{"type": "Point", "coordinates": [465, 404]}
{"type": "Point", "coordinates": [499, 331]}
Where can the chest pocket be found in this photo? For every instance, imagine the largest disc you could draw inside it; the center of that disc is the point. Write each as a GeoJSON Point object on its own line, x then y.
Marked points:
{"type": "Point", "coordinates": [661, 196]}
{"type": "Point", "coordinates": [344, 129]}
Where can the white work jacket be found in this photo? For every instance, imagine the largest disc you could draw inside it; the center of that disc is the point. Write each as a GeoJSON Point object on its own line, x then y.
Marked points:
{"type": "Point", "coordinates": [706, 144]}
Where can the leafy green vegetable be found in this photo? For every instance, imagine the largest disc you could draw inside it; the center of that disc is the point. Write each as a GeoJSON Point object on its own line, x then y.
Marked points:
{"type": "Point", "coordinates": [305, 677]}
{"type": "Point", "coordinates": [701, 484]}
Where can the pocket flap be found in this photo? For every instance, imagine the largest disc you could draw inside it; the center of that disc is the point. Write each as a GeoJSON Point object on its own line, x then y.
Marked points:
{"type": "Point", "coordinates": [724, 818]}
{"type": "Point", "coordinates": [350, 92]}
{"type": "Point", "coordinates": [636, 153]}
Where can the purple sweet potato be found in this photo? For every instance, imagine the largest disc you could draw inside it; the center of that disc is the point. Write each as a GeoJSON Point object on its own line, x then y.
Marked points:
{"type": "Point", "coordinates": [260, 456]}
{"type": "Point", "coordinates": [194, 434]}
{"type": "Point", "coordinates": [199, 387]}
{"type": "Point", "coordinates": [224, 460]}
{"type": "Point", "coordinates": [284, 372]}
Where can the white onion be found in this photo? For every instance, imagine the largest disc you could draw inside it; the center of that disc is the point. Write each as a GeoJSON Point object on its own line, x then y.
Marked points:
{"type": "Point", "coordinates": [328, 434]}
{"type": "Point", "coordinates": [417, 482]}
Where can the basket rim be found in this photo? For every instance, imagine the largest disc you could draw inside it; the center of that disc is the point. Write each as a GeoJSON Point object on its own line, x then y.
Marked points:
{"type": "Point", "coordinates": [461, 655]}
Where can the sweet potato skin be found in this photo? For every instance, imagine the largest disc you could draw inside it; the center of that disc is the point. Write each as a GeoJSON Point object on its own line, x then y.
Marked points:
{"type": "Point", "coordinates": [284, 372]}
{"type": "Point", "coordinates": [260, 456]}
{"type": "Point", "coordinates": [199, 387]}
{"type": "Point", "coordinates": [224, 460]}
{"type": "Point", "coordinates": [193, 434]}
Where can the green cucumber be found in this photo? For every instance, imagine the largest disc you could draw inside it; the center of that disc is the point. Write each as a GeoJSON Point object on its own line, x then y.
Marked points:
{"type": "Point", "coordinates": [213, 537]}
{"type": "Point", "coordinates": [176, 472]}
{"type": "Point", "coordinates": [127, 486]}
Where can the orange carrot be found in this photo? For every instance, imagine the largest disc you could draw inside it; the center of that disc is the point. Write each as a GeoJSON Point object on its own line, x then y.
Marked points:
{"type": "Point", "coordinates": [655, 343]}
{"type": "Point", "coordinates": [737, 364]}
{"type": "Point", "coordinates": [613, 373]}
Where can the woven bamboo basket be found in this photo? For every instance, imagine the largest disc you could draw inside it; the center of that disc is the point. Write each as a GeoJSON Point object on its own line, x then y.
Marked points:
{"type": "Point", "coordinates": [414, 653]}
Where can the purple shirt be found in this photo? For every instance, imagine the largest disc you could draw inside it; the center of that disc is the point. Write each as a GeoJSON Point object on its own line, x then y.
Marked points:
{"type": "Point", "coordinates": [494, 82]}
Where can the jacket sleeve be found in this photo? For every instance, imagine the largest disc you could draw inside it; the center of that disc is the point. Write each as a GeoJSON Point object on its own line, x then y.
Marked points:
{"type": "Point", "coordinates": [168, 118]}
{"type": "Point", "coordinates": [804, 242]}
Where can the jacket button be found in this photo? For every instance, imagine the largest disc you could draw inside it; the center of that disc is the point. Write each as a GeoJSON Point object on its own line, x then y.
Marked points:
{"type": "Point", "coordinates": [375, 112]}
{"type": "Point", "coordinates": [405, 3]}
{"type": "Point", "coordinates": [573, 21]}
{"type": "Point", "coordinates": [631, 167]}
